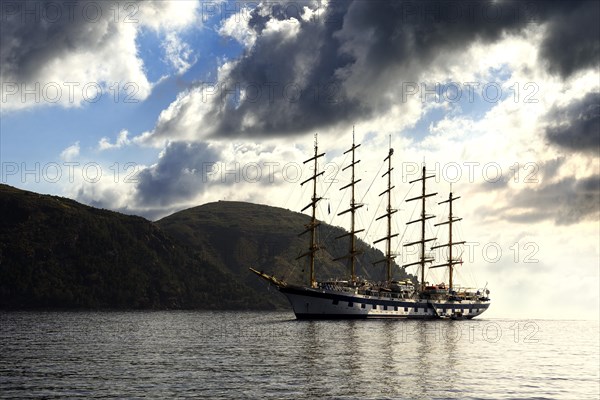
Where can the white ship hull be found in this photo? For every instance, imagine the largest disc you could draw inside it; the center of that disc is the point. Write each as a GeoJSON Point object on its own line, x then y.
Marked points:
{"type": "Point", "coordinates": [327, 304]}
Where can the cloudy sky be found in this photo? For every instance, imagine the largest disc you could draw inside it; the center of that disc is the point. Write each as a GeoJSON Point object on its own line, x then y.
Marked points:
{"type": "Point", "coordinates": [151, 107]}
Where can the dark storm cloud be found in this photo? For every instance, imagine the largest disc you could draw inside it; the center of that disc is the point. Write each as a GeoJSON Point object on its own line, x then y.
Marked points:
{"type": "Point", "coordinates": [291, 81]}
{"type": "Point", "coordinates": [497, 184]}
{"type": "Point", "coordinates": [572, 42]}
{"type": "Point", "coordinates": [420, 29]}
{"type": "Point", "coordinates": [180, 174]}
{"type": "Point", "coordinates": [345, 64]}
{"type": "Point", "coordinates": [576, 126]}
{"type": "Point", "coordinates": [528, 173]}
{"type": "Point", "coordinates": [35, 34]}
{"type": "Point", "coordinates": [565, 202]}
{"type": "Point", "coordinates": [317, 61]}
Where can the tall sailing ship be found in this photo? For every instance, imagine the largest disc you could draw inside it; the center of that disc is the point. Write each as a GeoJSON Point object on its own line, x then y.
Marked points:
{"type": "Point", "coordinates": [360, 298]}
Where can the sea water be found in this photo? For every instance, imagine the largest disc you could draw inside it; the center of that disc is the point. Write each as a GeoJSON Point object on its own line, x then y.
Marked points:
{"type": "Point", "coordinates": [261, 355]}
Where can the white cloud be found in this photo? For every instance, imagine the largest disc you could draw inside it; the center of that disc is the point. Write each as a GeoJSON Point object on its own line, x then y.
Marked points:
{"type": "Point", "coordinates": [92, 58]}
{"type": "Point", "coordinates": [178, 53]}
{"type": "Point", "coordinates": [169, 15]}
{"type": "Point", "coordinates": [237, 27]}
{"type": "Point", "coordinates": [285, 29]}
{"type": "Point", "coordinates": [122, 140]}
{"type": "Point", "coordinates": [183, 119]}
{"type": "Point", "coordinates": [106, 190]}
{"type": "Point", "coordinates": [192, 115]}
{"type": "Point", "coordinates": [71, 152]}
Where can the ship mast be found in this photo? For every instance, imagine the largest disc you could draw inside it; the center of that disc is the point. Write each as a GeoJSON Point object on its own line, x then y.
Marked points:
{"type": "Point", "coordinates": [388, 238]}
{"type": "Point", "coordinates": [422, 259]}
{"type": "Point", "coordinates": [312, 226]}
{"type": "Point", "coordinates": [352, 252]}
{"type": "Point", "coordinates": [451, 262]}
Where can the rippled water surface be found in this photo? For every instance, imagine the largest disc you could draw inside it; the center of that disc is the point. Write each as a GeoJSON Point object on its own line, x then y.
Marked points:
{"type": "Point", "coordinates": [271, 355]}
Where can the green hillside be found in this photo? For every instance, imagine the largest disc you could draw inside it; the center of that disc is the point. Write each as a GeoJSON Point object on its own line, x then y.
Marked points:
{"type": "Point", "coordinates": [57, 253]}
{"type": "Point", "coordinates": [236, 235]}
